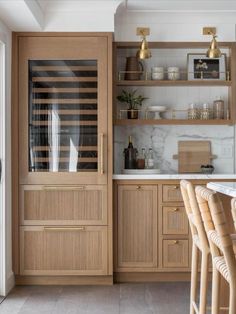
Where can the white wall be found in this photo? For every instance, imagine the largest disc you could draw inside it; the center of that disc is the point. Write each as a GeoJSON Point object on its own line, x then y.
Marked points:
{"type": "Point", "coordinates": [181, 26]}
{"type": "Point", "coordinates": [5, 36]}
{"type": "Point", "coordinates": [174, 26]}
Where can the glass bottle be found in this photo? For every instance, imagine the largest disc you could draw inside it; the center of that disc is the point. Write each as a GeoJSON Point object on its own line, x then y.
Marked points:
{"type": "Point", "coordinates": [130, 154]}
{"type": "Point", "coordinates": [141, 159]}
{"type": "Point", "coordinates": [150, 159]}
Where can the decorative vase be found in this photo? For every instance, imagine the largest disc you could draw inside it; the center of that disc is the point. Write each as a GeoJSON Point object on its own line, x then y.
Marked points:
{"type": "Point", "coordinates": [134, 69]}
{"type": "Point", "coordinates": [132, 114]}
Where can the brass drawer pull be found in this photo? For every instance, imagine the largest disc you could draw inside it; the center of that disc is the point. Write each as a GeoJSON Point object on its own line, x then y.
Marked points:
{"type": "Point", "coordinates": [64, 228]}
{"type": "Point", "coordinates": [175, 209]}
{"type": "Point", "coordinates": [63, 188]}
{"type": "Point", "coordinates": [176, 187]}
{"type": "Point", "coordinates": [176, 242]}
{"type": "Point", "coordinates": [138, 187]}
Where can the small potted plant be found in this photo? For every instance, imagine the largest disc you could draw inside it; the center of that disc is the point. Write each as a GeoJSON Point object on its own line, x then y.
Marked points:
{"type": "Point", "coordinates": [132, 101]}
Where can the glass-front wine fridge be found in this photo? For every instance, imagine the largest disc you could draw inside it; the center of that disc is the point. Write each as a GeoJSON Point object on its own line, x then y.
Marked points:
{"type": "Point", "coordinates": [63, 113]}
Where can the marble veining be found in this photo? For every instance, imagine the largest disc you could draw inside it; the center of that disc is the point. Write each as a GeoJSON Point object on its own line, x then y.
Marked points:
{"type": "Point", "coordinates": [173, 176]}
{"type": "Point", "coordinates": [227, 188]}
{"type": "Point", "coordinates": [164, 142]}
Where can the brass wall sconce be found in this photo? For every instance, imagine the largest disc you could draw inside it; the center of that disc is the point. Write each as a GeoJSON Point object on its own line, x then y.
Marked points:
{"type": "Point", "coordinates": [143, 52]}
{"type": "Point", "coordinates": [213, 51]}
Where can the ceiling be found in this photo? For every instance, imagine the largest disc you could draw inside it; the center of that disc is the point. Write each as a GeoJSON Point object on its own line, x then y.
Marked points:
{"type": "Point", "coordinates": [144, 5]}
{"type": "Point", "coordinates": [87, 15]}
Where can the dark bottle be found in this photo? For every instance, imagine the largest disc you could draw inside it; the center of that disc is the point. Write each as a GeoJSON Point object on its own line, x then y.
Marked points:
{"type": "Point", "coordinates": [130, 154]}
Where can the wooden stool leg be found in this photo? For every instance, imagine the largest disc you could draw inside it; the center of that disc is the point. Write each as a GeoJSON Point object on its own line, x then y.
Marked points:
{"type": "Point", "coordinates": [215, 290]}
{"type": "Point", "coordinates": [194, 275]}
{"type": "Point", "coordinates": [232, 298]}
{"type": "Point", "coordinates": [203, 284]}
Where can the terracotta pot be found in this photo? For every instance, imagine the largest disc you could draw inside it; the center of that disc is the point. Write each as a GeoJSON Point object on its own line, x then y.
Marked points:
{"type": "Point", "coordinates": [132, 114]}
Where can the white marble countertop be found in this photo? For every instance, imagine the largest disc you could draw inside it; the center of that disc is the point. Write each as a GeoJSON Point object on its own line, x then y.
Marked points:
{"type": "Point", "coordinates": [227, 188]}
{"type": "Point", "coordinates": [174, 177]}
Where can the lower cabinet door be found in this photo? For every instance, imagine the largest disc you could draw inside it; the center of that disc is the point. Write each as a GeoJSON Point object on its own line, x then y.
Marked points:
{"type": "Point", "coordinates": [137, 227]}
{"type": "Point", "coordinates": [175, 253]}
{"type": "Point", "coordinates": [63, 250]}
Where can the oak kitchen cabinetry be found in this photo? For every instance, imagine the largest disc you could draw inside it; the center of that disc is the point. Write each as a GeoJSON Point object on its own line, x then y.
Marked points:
{"type": "Point", "coordinates": [62, 215]}
{"type": "Point", "coordinates": [152, 240]}
{"type": "Point", "coordinates": [151, 229]}
{"type": "Point", "coordinates": [137, 227]}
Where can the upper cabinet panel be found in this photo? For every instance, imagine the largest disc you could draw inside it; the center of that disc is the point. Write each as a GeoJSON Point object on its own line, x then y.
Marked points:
{"type": "Point", "coordinates": [63, 109]}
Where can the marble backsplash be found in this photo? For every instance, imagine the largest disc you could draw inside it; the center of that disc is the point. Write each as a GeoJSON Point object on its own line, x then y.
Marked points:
{"type": "Point", "coordinates": [164, 142]}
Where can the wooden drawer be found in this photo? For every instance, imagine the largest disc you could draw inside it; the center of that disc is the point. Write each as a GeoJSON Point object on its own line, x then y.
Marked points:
{"type": "Point", "coordinates": [174, 220]}
{"type": "Point", "coordinates": [171, 193]}
{"type": "Point", "coordinates": [63, 250]}
{"type": "Point", "coordinates": [175, 253]}
{"type": "Point", "coordinates": [65, 205]}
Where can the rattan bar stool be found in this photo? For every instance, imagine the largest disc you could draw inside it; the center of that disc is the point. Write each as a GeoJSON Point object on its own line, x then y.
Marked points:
{"type": "Point", "coordinates": [199, 245]}
{"type": "Point", "coordinates": [233, 210]}
{"type": "Point", "coordinates": [221, 246]}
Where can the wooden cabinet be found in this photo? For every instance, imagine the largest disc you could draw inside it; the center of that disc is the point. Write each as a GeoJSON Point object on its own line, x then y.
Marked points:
{"type": "Point", "coordinates": [151, 228]}
{"type": "Point", "coordinates": [171, 193]}
{"type": "Point", "coordinates": [175, 253]}
{"type": "Point", "coordinates": [174, 220]}
{"type": "Point", "coordinates": [63, 205]}
{"type": "Point", "coordinates": [174, 231]}
{"type": "Point", "coordinates": [63, 250]}
{"type": "Point", "coordinates": [62, 187]}
{"type": "Point", "coordinates": [137, 227]}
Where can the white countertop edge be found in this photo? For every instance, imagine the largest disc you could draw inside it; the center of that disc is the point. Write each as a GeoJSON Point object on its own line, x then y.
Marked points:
{"type": "Point", "coordinates": [172, 176]}
{"type": "Point", "coordinates": [227, 188]}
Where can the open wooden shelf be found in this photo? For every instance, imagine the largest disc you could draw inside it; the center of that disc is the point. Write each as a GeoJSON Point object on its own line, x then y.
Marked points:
{"type": "Point", "coordinates": [173, 83]}
{"type": "Point", "coordinates": [170, 45]}
{"type": "Point", "coordinates": [171, 121]}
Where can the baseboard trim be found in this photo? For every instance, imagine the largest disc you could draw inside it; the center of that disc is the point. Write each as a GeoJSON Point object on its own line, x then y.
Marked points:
{"type": "Point", "coordinates": [151, 277]}
{"type": "Point", "coordinates": [64, 280]}
{"type": "Point", "coordinates": [10, 282]}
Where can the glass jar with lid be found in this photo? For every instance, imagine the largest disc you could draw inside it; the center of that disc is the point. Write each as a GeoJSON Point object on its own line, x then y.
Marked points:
{"type": "Point", "coordinates": [218, 108]}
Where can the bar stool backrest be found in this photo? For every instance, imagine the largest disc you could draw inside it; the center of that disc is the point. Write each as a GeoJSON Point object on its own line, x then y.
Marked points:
{"type": "Point", "coordinates": [217, 229]}
{"type": "Point", "coordinates": [233, 210]}
{"type": "Point", "coordinates": [193, 212]}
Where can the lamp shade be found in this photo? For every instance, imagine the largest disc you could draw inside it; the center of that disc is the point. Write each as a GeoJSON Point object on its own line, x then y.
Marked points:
{"type": "Point", "coordinates": [213, 51]}
{"type": "Point", "coordinates": [144, 52]}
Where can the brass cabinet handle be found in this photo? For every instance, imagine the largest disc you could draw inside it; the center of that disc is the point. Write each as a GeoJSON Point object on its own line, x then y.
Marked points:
{"type": "Point", "coordinates": [176, 241]}
{"type": "Point", "coordinates": [64, 228]}
{"type": "Point", "coordinates": [138, 187]}
{"type": "Point", "coordinates": [175, 187]}
{"type": "Point", "coordinates": [175, 209]}
{"type": "Point", "coordinates": [63, 188]}
{"type": "Point", "coordinates": [102, 152]}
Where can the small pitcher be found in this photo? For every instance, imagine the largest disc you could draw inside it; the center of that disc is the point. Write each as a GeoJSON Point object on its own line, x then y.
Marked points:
{"type": "Point", "coordinates": [135, 65]}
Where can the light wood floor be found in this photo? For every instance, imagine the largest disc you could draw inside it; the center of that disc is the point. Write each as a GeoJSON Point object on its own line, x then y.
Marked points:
{"type": "Point", "coordinates": [158, 298]}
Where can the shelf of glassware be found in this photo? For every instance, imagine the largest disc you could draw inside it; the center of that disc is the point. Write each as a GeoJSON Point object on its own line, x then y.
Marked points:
{"type": "Point", "coordinates": [174, 83]}
{"type": "Point", "coordinates": [172, 122]}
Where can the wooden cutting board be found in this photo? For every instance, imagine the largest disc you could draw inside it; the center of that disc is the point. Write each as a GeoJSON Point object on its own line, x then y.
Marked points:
{"type": "Point", "coordinates": [193, 154]}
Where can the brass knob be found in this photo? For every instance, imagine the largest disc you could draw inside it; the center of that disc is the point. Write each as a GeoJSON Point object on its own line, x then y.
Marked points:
{"type": "Point", "coordinates": [138, 187]}
{"type": "Point", "coordinates": [176, 242]}
{"type": "Point", "coordinates": [175, 209]}
{"type": "Point", "coordinates": [175, 187]}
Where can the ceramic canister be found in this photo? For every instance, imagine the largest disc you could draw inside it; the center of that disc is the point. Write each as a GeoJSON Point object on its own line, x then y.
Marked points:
{"type": "Point", "coordinates": [157, 73]}
{"type": "Point", "coordinates": [173, 73]}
